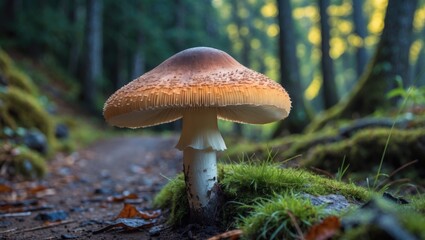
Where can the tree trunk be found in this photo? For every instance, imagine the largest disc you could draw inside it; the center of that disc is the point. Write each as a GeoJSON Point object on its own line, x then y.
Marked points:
{"type": "Point", "coordinates": [138, 57]}
{"type": "Point", "coordinates": [329, 89]}
{"type": "Point", "coordinates": [76, 45]}
{"type": "Point", "coordinates": [289, 72]}
{"type": "Point", "coordinates": [93, 71]}
{"type": "Point", "coordinates": [360, 31]}
{"type": "Point", "coordinates": [391, 62]}
{"type": "Point", "coordinates": [245, 52]}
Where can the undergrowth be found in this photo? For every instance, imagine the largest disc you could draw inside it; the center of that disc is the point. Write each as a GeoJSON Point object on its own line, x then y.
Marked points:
{"type": "Point", "coordinates": [244, 184]}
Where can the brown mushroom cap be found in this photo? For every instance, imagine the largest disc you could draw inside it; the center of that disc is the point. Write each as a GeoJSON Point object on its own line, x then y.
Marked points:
{"type": "Point", "coordinates": [198, 78]}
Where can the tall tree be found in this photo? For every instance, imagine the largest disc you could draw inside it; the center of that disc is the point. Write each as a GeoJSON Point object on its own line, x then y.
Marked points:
{"type": "Point", "coordinates": [360, 31]}
{"type": "Point", "coordinates": [93, 53]}
{"type": "Point", "coordinates": [329, 88]}
{"type": "Point", "coordinates": [289, 71]}
{"type": "Point", "coordinates": [242, 25]}
{"type": "Point", "coordinates": [391, 62]}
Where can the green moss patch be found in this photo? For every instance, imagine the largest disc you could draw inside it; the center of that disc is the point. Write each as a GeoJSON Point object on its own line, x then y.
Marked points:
{"type": "Point", "coordinates": [19, 160]}
{"type": "Point", "coordinates": [18, 109]}
{"type": "Point", "coordinates": [277, 217]}
{"type": "Point", "coordinates": [364, 150]}
{"type": "Point", "coordinates": [243, 184]}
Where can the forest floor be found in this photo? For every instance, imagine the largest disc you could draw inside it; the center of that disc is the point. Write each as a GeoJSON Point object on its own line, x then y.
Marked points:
{"type": "Point", "coordinates": [87, 190]}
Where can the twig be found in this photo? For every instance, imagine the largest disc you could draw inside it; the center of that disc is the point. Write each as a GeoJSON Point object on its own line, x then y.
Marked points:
{"type": "Point", "coordinates": [9, 230]}
{"type": "Point", "coordinates": [49, 225]}
{"type": "Point", "coordinates": [321, 171]}
{"type": "Point", "coordinates": [402, 167]}
{"type": "Point", "coordinates": [294, 222]}
{"type": "Point", "coordinates": [16, 214]}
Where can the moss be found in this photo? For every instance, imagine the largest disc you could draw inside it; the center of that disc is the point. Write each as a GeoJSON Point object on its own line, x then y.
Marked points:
{"type": "Point", "coordinates": [19, 160]}
{"type": "Point", "coordinates": [18, 109]}
{"type": "Point", "coordinates": [283, 149]}
{"type": "Point", "coordinates": [29, 163]}
{"type": "Point", "coordinates": [418, 203]}
{"type": "Point", "coordinates": [173, 197]}
{"type": "Point", "coordinates": [5, 61]}
{"type": "Point", "coordinates": [364, 150]}
{"type": "Point", "coordinates": [242, 184]}
{"type": "Point", "coordinates": [18, 79]}
{"type": "Point", "coordinates": [270, 219]}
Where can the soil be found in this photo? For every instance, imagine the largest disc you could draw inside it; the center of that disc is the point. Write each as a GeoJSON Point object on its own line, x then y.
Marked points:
{"type": "Point", "coordinates": [91, 187]}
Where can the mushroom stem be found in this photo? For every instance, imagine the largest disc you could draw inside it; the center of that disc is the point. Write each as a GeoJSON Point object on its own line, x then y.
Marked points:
{"type": "Point", "coordinates": [199, 141]}
{"type": "Point", "coordinates": [200, 172]}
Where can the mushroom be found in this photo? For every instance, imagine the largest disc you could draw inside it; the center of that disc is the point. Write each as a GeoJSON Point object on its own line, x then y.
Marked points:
{"type": "Point", "coordinates": [199, 85]}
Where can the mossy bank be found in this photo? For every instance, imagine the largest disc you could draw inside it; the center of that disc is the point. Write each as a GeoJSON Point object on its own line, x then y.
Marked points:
{"type": "Point", "coordinates": [264, 200]}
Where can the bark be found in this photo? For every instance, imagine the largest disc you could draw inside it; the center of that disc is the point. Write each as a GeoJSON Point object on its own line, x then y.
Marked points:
{"type": "Point", "coordinates": [360, 31]}
{"type": "Point", "coordinates": [93, 53]}
{"type": "Point", "coordinates": [329, 88]}
{"type": "Point", "coordinates": [390, 62]}
{"type": "Point", "coordinates": [289, 72]}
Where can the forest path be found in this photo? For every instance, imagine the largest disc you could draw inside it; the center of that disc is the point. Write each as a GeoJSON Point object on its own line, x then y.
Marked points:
{"type": "Point", "coordinates": [86, 184]}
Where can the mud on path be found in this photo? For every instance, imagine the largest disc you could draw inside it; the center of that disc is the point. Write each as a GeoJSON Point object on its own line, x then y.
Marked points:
{"type": "Point", "coordinates": [88, 186]}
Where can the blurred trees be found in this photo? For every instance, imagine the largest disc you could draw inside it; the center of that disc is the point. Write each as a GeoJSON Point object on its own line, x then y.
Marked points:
{"type": "Point", "coordinates": [282, 39]}
{"type": "Point", "coordinates": [360, 32]}
{"type": "Point", "coordinates": [93, 52]}
{"type": "Point", "coordinates": [390, 63]}
{"type": "Point", "coordinates": [289, 71]}
{"type": "Point", "coordinates": [329, 89]}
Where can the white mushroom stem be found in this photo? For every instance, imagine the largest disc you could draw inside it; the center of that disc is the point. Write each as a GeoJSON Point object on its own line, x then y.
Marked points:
{"type": "Point", "coordinates": [200, 171]}
{"type": "Point", "coordinates": [199, 141]}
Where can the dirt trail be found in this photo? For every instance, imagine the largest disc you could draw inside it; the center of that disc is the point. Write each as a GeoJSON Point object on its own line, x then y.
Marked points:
{"type": "Point", "coordinates": [84, 183]}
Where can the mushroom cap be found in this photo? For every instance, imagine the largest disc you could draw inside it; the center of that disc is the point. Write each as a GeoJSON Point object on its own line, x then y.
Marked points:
{"type": "Point", "coordinates": [198, 77]}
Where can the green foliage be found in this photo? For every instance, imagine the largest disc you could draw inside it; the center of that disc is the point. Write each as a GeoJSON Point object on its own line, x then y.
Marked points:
{"type": "Point", "coordinates": [244, 184]}
{"type": "Point", "coordinates": [270, 218]}
{"type": "Point", "coordinates": [414, 96]}
{"type": "Point", "coordinates": [173, 196]}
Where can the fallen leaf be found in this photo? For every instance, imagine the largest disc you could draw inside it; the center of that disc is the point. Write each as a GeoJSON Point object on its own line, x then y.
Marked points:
{"type": "Point", "coordinates": [36, 189]}
{"type": "Point", "coordinates": [232, 235]}
{"type": "Point", "coordinates": [127, 224]}
{"type": "Point", "coordinates": [326, 229]}
{"type": "Point", "coordinates": [5, 189]}
{"type": "Point", "coordinates": [130, 211]}
{"type": "Point", "coordinates": [122, 198]}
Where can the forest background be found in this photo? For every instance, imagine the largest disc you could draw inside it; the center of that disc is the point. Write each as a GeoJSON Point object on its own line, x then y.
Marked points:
{"type": "Point", "coordinates": [318, 50]}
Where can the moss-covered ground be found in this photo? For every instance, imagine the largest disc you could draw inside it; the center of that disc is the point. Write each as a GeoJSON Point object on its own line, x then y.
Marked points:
{"type": "Point", "coordinates": [264, 200]}
{"type": "Point", "coordinates": [245, 183]}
